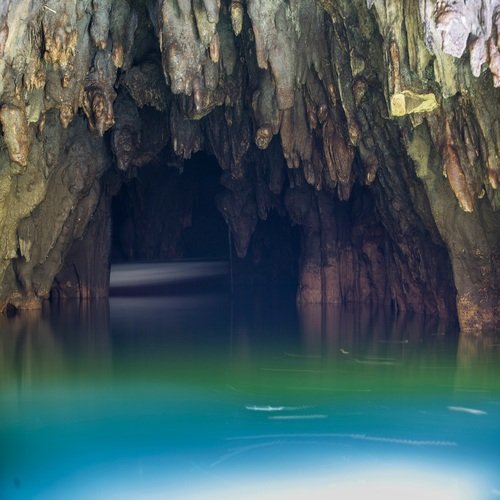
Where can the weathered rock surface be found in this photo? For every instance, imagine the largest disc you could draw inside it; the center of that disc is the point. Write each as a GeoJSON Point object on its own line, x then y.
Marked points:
{"type": "Point", "coordinates": [374, 125]}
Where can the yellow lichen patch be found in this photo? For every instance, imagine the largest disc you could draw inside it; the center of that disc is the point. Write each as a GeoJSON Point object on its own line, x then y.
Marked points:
{"type": "Point", "coordinates": [34, 77]}
{"type": "Point", "coordinates": [98, 107]}
{"type": "Point", "coordinates": [15, 130]}
{"type": "Point", "coordinates": [66, 114]}
{"type": "Point", "coordinates": [66, 78]}
{"type": "Point", "coordinates": [60, 48]}
{"type": "Point", "coordinates": [408, 102]}
{"type": "Point", "coordinates": [215, 49]}
{"type": "Point", "coordinates": [237, 16]}
{"type": "Point", "coordinates": [493, 178]}
{"type": "Point", "coordinates": [263, 137]}
{"type": "Point", "coordinates": [117, 56]}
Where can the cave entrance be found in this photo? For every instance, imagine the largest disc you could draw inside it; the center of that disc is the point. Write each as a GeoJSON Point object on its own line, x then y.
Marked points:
{"type": "Point", "coordinates": [169, 214]}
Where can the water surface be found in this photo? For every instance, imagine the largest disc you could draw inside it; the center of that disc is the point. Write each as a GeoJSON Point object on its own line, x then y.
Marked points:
{"type": "Point", "coordinates": [195, 396]}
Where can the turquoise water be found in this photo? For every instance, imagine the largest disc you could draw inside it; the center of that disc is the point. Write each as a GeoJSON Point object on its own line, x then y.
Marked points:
{"type": "Point", "coordinates": [195, 397]}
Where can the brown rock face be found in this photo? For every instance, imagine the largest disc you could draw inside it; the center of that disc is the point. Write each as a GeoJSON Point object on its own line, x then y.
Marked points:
{"type": "Point", "coordinates": [358, 121]}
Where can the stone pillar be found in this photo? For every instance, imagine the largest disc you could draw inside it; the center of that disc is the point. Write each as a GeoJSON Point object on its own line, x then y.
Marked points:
{"type": "Point", "coordinates": [85, 273]}
{"type": "Point", "coordinates": [471, 234]}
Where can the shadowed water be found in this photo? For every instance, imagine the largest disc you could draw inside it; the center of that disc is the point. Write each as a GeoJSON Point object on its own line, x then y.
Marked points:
{"type": "Point", "coordinates": [196, 397]}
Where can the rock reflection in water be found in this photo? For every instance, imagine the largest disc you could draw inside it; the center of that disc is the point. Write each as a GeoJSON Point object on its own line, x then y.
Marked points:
{"type": "Point", "coordinates": [56, 343]}
{"type": "Point", "coordinates": [478, 362]}
{"type": "Point", "coordinates": [152, 394]}
{"type": "Point", "coordinates": [333, 329]}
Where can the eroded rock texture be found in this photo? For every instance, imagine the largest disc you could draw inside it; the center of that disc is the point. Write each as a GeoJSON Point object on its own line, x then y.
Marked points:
{"type": "Point", "coordinates": [372, 125]}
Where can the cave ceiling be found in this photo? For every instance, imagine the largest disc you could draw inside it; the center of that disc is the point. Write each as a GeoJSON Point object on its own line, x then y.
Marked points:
{"type": "Point", "coordinates": [302, 102]}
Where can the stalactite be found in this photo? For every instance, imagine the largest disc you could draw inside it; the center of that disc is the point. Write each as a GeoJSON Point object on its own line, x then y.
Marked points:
{"type": "Point", "coordinates": [454, 172]}
{"type": "Point", "coordinates": [238, 207]}
{"type": "Point", "coordinates": [99, 94]}
{"type": "Point", "coordinates": [322, 109]}
{"type": "Point", "coordinates": [99, 27]}
{"type": "Point", "coordinates": [123, 24]}
{"type": "Point", "coordinates": [16, 133]}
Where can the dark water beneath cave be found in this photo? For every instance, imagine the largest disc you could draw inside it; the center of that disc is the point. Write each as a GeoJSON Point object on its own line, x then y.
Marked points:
{"type": "Point", "coordinates": [191, 397]}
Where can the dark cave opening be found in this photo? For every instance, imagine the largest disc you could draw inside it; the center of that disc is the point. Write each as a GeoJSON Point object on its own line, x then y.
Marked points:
{"type": "Point", "coordinates": [307, 243]}
{"type": "Point", "coordinates": [272, 260]}
{"type": "Point", "coordinates": [169, 213]}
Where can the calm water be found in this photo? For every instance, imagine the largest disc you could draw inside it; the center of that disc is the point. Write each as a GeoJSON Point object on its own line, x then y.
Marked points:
{"type": "Point", "coordinates": [192, 397]}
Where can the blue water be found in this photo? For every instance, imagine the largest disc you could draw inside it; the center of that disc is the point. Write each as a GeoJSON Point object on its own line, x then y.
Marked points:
{"type": "Point", "coordinates": [196, 396]}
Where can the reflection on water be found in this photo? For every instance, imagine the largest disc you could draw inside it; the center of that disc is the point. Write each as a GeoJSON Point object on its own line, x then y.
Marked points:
{"type": "Point", "coordinates": [173, 277]}
{"type": "Point", "coordinates": [197, 397]}
{"type": "Point", "coordinates": [62, 342]}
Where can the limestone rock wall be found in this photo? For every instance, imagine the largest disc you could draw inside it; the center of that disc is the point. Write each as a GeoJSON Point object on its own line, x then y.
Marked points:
{"type": "Point", "coordinates": [381, 111]}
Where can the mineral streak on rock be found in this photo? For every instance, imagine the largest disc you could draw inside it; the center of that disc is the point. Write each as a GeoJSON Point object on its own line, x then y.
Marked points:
{"type": "Point", "coordinates": [454, 172]}
{"type": "Point", "coordinates": [341, 115]}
